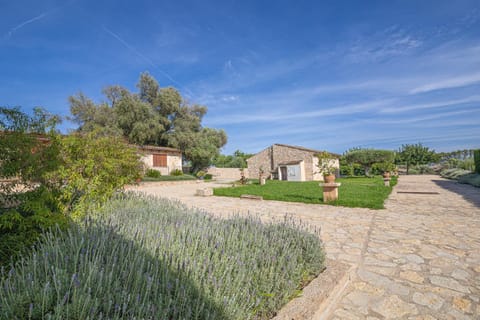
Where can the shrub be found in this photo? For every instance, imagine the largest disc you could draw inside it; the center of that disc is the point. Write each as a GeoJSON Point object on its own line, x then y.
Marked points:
{"type": "Point", "coordinates": [176, 172]}
{"type": "Point", "coordinates": [467, 164]}
{"type": "Point", "coordinates": [93, 168]}
{"type": "Point", "coordinates": [476, 159]}
{"type": "Point", "coordinates": [29, 152]}
{"type": "Point", "coordinates": [413, 170]}
{"type": "Point", "coordinates": [208, 176]}
{"type": "Point", "coordinates": [346, 170]}
{"type": "Point", "coordinates": [151, 173]}
{"type": "Point", "coordinates": [379, 168]}
{"type": "Point", "coordinates": [149, 257]}
{"type": "Point", "coordinates": [422, 169]}
{"type": "Point", "coordinates": [21, 226]}
{"type": "Point", "coordinates": [358, 170]}
{"type": "Point", "coordinates": [367, 157]}
{"type": "Point", "coordinates": [59, 175]}
{"type": "Point", "coordinates": [472, 179]}
{"type": "Point", "coordinates": [454, 173]}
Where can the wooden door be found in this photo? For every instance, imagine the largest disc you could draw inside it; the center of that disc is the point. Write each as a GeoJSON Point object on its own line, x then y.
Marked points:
{"type": "Point", "coordinates": [283, 171]}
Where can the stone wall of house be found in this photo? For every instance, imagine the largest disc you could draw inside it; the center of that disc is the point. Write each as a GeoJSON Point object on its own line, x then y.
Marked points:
{"type": "Point", "coordinates": [174, 161]}
{"type": "Point", "coordinates": [226, 173]}
{"type": "Point", "coordinates": [282, 154]}
{"type": "Point", "coordinates": [271, 157]}
{"type": "Point", "coordinates": [260, 160]}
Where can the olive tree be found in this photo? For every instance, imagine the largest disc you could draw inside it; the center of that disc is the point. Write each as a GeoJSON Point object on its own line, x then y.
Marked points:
{"type": "Point", "coordinates": [415, 154]}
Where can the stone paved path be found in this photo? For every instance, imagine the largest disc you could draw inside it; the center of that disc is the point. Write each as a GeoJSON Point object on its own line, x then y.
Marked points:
{"type": "Point", "coordinates": [418, 259]}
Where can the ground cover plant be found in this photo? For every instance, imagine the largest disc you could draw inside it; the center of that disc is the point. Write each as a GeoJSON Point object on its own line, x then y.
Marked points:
{"type": "Point", "coordinates": [145, 258]}
{"type": "Point", "coordinates": [354, 191]}
{"type": "Point", "coordinates": [462, 176]}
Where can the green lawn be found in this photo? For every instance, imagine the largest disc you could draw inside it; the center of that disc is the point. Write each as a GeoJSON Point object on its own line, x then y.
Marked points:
{"type": "Point", "coordinates": [354, 192]}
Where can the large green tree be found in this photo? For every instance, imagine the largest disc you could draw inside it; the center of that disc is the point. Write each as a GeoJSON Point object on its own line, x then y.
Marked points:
{"type": "Point", "coordinates": [154, 116]}
{"type": "Point", "coordinates": [415, 154]}
{"type": "Point", "coordinates": [237, 160]}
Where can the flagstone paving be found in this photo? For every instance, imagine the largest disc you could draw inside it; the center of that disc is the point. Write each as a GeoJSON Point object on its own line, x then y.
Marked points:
{"type": "Point", "coordinates": [417, 259]}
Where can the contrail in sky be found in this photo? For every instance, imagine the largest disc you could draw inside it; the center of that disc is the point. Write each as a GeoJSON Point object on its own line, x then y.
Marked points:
{"type": "Point", "coordinates": [24, 23]}
{"type": "Point", "coordinates": [145, 58]}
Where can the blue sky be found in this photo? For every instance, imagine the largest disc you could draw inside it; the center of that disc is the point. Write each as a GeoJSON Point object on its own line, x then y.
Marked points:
{"type": "Point", "coordinates": [322, 74]}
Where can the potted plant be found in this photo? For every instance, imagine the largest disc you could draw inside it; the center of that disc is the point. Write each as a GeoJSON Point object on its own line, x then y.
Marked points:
{"type": "Point", "coordinates": [327, 167]}
{"type": "Point", "coordinates": [201, 174]}
{"type": "Point", "coordinates": [243, 179]}
{"type": "Point", "coordinates": [386, 168]}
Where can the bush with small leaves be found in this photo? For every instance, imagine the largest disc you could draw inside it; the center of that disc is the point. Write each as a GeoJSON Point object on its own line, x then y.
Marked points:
{"type": "Point", "coordinates": [176, 172]}
{"type": "Point", "coordinates": [152, 173]}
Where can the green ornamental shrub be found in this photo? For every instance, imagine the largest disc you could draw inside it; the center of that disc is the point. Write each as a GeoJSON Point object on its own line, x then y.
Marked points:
{"type": "Point", "coordinates": [21, 226]}
{"type": "Point", "coordinates": [476, 159]}
{"type": "Point", "coordinates": [176, 172]}
{"type": "Point", "coordinates": [29, 152]}
{"type": "Point", "coordinates": [93, 167]}
{"type": "Point", "coordinates": [151, 173]}
{"type": "Point", "coordinates": [346, 170]}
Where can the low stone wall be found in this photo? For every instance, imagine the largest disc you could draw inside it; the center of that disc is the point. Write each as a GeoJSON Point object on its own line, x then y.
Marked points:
{"type": "Point", "coordinates": [226, 173]}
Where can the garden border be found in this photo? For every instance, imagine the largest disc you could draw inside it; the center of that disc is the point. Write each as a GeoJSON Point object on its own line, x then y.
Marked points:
{"type": "Point", "coordinates": [320, 296]}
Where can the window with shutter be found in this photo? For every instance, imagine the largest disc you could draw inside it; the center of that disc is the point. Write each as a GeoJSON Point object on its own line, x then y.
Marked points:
{"type": "Point", "coordinates": [159, 160]}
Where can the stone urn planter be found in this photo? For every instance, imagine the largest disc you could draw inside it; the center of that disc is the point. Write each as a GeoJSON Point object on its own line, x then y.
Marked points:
{"type": "Point", "coordinates": [262, 180]}
{"type": "Point", "coordinates": [329, 178]}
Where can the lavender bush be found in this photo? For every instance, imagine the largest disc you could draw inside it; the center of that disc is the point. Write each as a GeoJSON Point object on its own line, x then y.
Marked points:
{"type": "Point", "coordinates": [148, 258]}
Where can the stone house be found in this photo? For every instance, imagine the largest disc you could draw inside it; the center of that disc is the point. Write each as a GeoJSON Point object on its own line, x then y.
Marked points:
{"type": "Point", "coordinates": [163, 159]}
{"type": "Point", "coordinates": [285, 162]}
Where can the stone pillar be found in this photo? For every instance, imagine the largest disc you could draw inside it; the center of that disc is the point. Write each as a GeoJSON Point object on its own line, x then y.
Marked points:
{"type": "Point", "coordinates": [330, 191]}
{"type": "Point", "coordinates": [386, 182]}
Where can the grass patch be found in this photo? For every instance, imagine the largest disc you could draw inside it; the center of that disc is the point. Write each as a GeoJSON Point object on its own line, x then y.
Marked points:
{"type": "Point", "coordinates": [169, 178]}
{"type": "Point", "coordinates": [146, 258]}
{"type": "Point", "coordinates": [354, 192]}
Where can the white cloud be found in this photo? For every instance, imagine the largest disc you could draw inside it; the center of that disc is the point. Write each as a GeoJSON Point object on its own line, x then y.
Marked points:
{"type": "Point", "coordinates": [429, 117]}
{"type": "Point", "coordinates": [294, 113]}
{"type": "Point", "coordinates": [455, 82]}
{"type": "Point", "coordinates": [432, 105]}
{"type": "Point", "coordinates": [24, 23]}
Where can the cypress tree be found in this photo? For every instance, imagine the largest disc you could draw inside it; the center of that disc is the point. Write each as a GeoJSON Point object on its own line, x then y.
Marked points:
{"type": "Point", "coordinates": [476, 159]}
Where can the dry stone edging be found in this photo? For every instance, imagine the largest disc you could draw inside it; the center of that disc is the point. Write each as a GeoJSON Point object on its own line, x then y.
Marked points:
{"type": "Point", "coordinates": [319, 295]}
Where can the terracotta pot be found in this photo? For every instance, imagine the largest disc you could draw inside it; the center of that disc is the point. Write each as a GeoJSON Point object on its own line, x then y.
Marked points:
{"type": "Point", "coordinates": [386, 174]}
{"type": "Point", "coordinates": [329, 178]}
